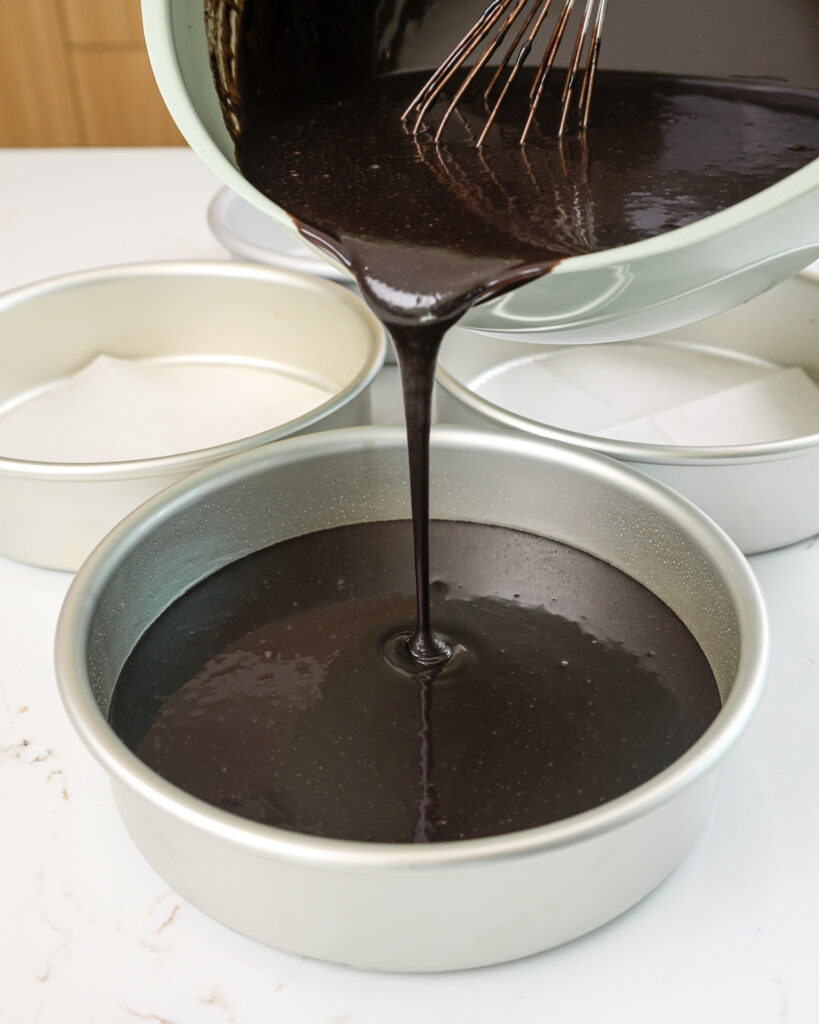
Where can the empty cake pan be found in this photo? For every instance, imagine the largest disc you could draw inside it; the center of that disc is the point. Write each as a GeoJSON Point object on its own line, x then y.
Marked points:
{"type": "Point", "coordinates": [765, 494]}
{"type": "Point", "coordinates": [202, 313]}
{"type": "Point", "coordinates": [401, 906]}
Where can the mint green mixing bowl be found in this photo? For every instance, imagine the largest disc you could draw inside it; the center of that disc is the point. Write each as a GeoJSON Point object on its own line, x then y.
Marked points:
{"type": "Point", "coordinates": [635, 290]}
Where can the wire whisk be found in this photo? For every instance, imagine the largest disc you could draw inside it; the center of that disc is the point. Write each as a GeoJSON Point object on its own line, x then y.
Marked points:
{"type": "Point", "coordinates": [494, 25]}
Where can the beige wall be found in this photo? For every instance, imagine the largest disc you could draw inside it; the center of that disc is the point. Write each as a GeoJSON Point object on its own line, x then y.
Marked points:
{"type": "Point", "coordinates": [75, 73]}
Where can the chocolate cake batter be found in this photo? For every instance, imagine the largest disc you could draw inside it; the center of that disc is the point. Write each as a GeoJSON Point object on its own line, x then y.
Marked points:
{"type": "Point", "coordinates": [270, 689]}
{"type": "Point", "coordinates": [291, 688]}
{"type": "Point", "coordinates": [431, 230]}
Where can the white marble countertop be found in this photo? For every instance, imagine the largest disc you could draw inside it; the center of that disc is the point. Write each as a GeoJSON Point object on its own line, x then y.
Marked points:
{"type": "Point", "coordinates": [90, 935]}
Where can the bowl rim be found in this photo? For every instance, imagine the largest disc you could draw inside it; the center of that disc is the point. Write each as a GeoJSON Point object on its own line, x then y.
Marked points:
{"type": "Point", "coordinates": [164, 465]}
{"type": "Point", "coordinates": [632, 451]}
{"type": "Point", "coordinates": [162, 52]}
{"type": "Point", "coordinates": [127, 770]}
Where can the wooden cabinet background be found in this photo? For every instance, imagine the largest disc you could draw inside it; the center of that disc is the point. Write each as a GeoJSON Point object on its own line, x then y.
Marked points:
{"type": "Point", "coordinates": [75, 73]}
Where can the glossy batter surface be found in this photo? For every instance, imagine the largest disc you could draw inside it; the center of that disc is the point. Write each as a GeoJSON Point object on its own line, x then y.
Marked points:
{"type": "Point", "coordinates": [274, 689]}
{"type": "Point", "coordinates": [431, 229]}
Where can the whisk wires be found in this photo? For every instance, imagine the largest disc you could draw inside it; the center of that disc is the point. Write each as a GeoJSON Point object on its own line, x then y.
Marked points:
{"type": "Point", "coordinates": [493, 27]}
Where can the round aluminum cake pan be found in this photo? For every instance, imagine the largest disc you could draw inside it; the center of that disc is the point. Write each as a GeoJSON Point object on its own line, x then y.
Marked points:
{"type": "Point", "coordinates": [763, 495]}
{"type": "Point", "coordinates": [55, 513]}
{"type": "Point", "coordinates": [411, 907]}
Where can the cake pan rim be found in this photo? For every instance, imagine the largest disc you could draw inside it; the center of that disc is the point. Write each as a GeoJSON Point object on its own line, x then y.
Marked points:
{"type": "Point", "coordinates": [162, 465]}
{"type": "Point", "coordinates": [634, 451]}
